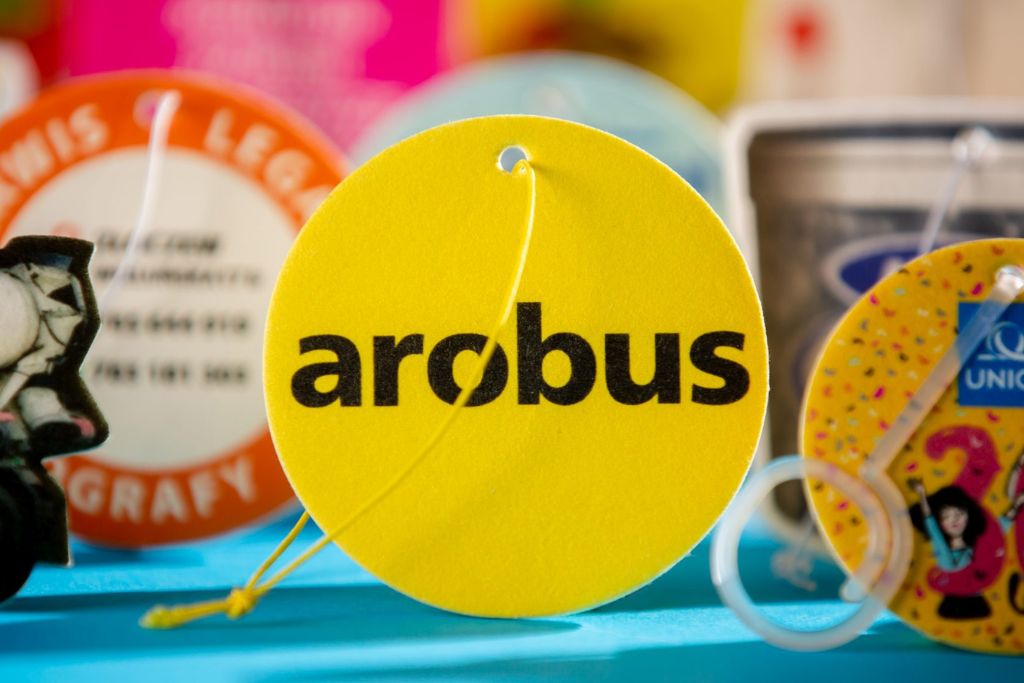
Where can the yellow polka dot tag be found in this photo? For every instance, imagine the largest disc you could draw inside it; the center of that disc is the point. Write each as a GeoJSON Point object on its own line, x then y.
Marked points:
{"type": "Point", "coordinates": [606, 425]}
{"type": "Point", "coordinates": [960, 473]}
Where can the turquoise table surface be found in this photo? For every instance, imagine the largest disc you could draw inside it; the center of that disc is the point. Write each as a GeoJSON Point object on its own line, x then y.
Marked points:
{"type": "Point", "coordinates": [333, 621]}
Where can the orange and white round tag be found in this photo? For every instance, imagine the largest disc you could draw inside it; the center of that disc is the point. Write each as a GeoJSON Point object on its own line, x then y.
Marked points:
{"type": "Point", "coordinates": [176, 366]}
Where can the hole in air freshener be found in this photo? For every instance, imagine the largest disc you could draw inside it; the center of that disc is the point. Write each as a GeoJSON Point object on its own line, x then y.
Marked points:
{"type": "Point", "coordinates": [510, 156]}
{"type": "Point", "coordinates": [149, 103]}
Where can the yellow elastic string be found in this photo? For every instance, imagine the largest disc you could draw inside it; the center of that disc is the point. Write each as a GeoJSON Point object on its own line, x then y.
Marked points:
{"type": "Point", "coordinates": [242, 600]}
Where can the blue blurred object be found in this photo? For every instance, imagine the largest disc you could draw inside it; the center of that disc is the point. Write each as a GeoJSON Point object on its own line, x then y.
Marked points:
{"type": "Point", "coordinates": [620, 99]}
{"type": "Point", "coordinates": [333, 621]}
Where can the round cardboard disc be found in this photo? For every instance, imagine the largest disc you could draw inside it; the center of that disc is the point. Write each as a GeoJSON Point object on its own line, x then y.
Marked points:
{"type": "Point", "coordinates": [176, 365]}
{"type": "Point", "coordinates": [966, 457]}
{"type": "Point", "coordinates": [610, 430]}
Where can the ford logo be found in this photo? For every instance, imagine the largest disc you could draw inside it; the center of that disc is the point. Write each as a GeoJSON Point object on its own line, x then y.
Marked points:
{"type": "Point", "coordinates": [854, 268]}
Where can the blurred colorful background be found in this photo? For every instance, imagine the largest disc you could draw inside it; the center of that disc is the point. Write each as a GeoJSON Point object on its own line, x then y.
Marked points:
{"type": "Point", "coordinates": [824, 132]}
{"type": "Point", "coordinates": [344, 62]}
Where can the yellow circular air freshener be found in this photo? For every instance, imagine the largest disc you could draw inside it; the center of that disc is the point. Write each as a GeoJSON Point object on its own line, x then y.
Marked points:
{"type": "Point", "coordinates": [960, 473]}
{"type": "Point", "coordinates": [616, 417]}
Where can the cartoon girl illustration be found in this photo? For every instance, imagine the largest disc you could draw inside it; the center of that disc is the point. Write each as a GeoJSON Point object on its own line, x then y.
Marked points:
{"type": "Point", "coordinates": [954, 522]}
{"type": "Point", "coordinates": [968, 542]}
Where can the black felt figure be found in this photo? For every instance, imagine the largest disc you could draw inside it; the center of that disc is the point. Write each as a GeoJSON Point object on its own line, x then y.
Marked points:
{"type": "Point", "coordinates": [48, 319]}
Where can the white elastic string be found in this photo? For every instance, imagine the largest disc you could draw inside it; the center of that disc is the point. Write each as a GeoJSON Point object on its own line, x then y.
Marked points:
{"type": "Point", "coordinates": [166, 108]}
{"type": "Point", "coordinates": [890, 541]}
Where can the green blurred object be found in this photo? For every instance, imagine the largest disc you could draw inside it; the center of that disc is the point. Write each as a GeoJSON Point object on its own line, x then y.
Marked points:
{"type": "Point", "coordinates": [25, 17]}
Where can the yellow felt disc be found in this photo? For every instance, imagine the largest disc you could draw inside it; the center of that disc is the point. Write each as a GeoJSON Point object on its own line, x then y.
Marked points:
{"type": "Point", "coordinates": [579, 471]}
{"type": "Point", "coordinates": [965, 457]}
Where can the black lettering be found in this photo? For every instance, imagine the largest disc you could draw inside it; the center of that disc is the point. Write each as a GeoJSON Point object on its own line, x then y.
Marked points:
{"type": "Point", "coordinates": [347, 369]}
{"type": "Point", "coordinates": [664, 384]}
{"type": "Point", "coordinates": [441, 375]}
{"type": "Point", "coordinates": [387, 356]}
{"type": "Point", "coordinates": [532, 348]}
{"type": "Point", "coordinates": [735, 377]}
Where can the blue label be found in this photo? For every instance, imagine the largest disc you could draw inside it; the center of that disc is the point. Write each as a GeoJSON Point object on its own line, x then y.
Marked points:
{"type": "Point", "coordinates": [994, 376]}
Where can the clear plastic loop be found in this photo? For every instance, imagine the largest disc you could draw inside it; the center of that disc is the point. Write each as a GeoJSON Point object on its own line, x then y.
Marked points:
{"type": "Point", "coordinates": [876, 579]}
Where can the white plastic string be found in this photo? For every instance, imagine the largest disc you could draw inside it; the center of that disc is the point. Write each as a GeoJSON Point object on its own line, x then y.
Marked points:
{"type": "Point", "coordinates": [166, 108]}
{"type": "Point", "coordinates": [157, 146]}
{"type": "Point", "coordinates": [890, 536]}
{"type": "Point", "coordinates": [969, 148]}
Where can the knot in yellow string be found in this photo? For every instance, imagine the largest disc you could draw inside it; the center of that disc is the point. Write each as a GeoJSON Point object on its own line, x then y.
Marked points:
{"type": "Point", "coordinates": [236, 605]}
{"type": "Point", "coordinates": [240, 602]}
